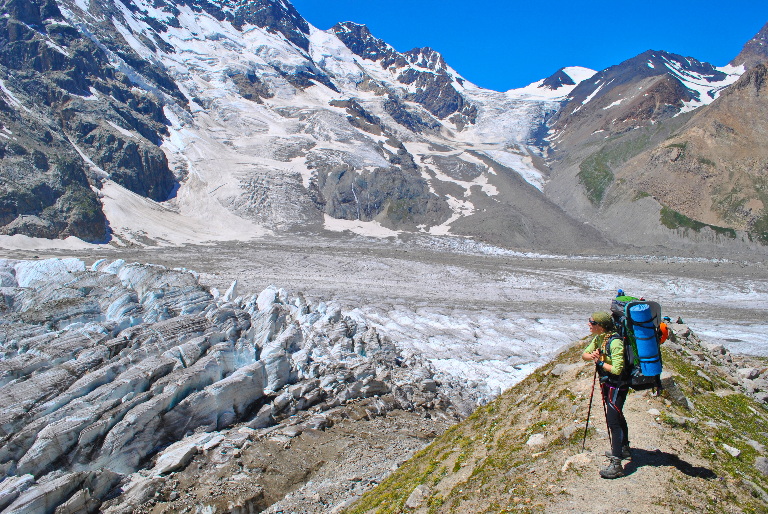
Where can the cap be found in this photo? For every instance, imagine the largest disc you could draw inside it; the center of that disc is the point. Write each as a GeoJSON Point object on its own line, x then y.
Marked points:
{"type": "Point", "coordinates": [603, 319]}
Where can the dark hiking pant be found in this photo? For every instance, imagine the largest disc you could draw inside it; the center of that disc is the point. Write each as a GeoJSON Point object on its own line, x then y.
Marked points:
{"type": "Point", "coordinates": [614, 398]}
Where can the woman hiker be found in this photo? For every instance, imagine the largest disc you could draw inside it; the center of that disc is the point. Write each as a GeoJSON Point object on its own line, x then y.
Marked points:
{"type": "Point", "coordinates": [609, 367]}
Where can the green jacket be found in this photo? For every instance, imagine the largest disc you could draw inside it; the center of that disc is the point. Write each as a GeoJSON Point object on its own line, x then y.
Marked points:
{"type": "Point", "coordinates": [616, 358]}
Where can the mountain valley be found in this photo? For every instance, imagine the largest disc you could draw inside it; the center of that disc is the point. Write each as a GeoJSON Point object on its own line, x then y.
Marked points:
{"type": "Point", "coordinates": [248, 265]}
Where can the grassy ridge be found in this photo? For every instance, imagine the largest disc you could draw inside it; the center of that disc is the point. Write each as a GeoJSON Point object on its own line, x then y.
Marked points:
{"type": "Point", "coordinates": [486, 463]}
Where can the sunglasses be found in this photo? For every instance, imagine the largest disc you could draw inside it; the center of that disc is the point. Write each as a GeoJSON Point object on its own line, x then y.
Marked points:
{"type": "Point", "coordinates": [592, 322]}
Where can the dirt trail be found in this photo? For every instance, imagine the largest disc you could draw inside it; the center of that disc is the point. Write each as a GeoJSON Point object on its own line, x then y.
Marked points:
{"type": "Point", "coordinates": [660, 456]}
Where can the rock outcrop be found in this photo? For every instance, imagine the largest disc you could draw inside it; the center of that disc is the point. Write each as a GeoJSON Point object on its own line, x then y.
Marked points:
{"type": "Point", "coordinates": [435, 86]}
{"type": "Point", "coordinates": [69, 118]}
{"type": "Point", "coordinates": [754, 52]}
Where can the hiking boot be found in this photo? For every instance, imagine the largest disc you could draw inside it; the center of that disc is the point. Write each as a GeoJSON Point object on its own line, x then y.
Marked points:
{"type": "Point", "coordinates": [626, 452]}
{"type": "Point", "coordinates": [613, 470]}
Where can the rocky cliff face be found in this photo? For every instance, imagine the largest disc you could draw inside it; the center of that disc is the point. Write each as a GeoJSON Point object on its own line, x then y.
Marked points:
{"type": "Point", "coordinates": [64, 100]}
{"type": "Point", "coordinates": [432, 83]}
{"type": "Point", "coordinates": [558, 80]}
{"type": "Point", "coordinates": [104, 370]}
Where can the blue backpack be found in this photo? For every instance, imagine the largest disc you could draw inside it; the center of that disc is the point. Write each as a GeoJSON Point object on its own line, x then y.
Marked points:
{"type": "Point", "coordinates": [637, 324]}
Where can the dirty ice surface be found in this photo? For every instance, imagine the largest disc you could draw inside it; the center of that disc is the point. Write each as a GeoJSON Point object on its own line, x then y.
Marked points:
{"type": "Point", "coordinates": [483, 314]}
{"type": "Point", "coordinates": [548, 309]}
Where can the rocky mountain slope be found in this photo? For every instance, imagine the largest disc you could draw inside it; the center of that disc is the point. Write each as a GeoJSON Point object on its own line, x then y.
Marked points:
{"type": "Point", "coordinates": [712, 170]}
{"type": "Point", "coordinates": [67, 112]}
{"type": "Point", "coordinates": [755, 51]}
{"type": "Point", "coordinates": [175, 122]}
{"type": "Point", "coordinates": [622, 141]}
{"type": "Point", "coordinates": [698, 447]}
{"type": "Point", "coordinates": [221, 114]}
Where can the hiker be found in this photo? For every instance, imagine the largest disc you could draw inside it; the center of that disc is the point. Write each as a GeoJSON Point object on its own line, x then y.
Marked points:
{"type": "Point", "coordinates": [609, 368]}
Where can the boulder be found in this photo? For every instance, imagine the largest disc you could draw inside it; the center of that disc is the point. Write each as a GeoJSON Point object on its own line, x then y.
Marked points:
{"type": "Point", "coordinates": [715, 349]}
{"type": "Point", "coordinates": [563, 369]}
{"type": "Point", "coordinates": [578, 460]}
{"type": "Point", "coordinates": [734, 452]}
{"type": "Point", "coordinates": [761, 464]}
{"type": "Point", "coordinates": [749, 373]}
{"type": "Point", "coordinates": [417, 497]}
{"type": "Point", "coordinates": [674, 393]}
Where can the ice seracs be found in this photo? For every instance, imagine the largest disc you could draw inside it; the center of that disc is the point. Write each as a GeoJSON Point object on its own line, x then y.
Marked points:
{"type": "Point", "coordinates": [104, 367]}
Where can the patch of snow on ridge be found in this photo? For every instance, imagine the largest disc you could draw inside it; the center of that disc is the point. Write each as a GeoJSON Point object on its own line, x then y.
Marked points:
{"type": "Point", "coordinates": [614, 104]}
{"type": "Point", "coordinates": [466, 185]}
{"type": "Point", "coordinates": [459, 208]}
{"type": "Point", "coordinates": [22, 242]}
{"type": "Point", "coordinates": [362, 228]}
{"type": "Point", "coordinates": [327, 50]}
{"type": "Point", "coordinates": [13, 100]}
{"type": "Point", "coordinates": [594, 93]}
{"type": "Point", "coordinates": [707, 90]}
{"type": "Point", "coordinates": [522, 164]}
{"type": "Point", "coordinates": [123, 131]}
{"type": "Point", "coordinates": [137, 219]}
{"type": "Point", "coordinates": [578, 73]}
{"type": "Point", "coordinates": [732, 70]}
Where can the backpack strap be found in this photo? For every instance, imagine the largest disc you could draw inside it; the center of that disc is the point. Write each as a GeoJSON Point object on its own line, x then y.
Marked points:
{"type": "Point", "coordinates": [611, 338]}
{"type": "Point", "coordinates": [619, 380]}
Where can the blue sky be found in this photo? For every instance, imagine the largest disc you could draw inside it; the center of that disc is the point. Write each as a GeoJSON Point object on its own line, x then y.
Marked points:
{"type": "Point", "coordinates": [502, 45]}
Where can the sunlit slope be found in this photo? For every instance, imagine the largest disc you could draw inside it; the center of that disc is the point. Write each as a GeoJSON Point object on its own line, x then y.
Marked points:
{"type": "Point", "coordinates": [523, 451]}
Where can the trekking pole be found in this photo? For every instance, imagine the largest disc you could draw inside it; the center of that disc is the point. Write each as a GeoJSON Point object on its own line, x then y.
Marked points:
{"type": "Point", "coordinates": [589, 410]}
{"type": "Point", "coordinates": [605, 411]}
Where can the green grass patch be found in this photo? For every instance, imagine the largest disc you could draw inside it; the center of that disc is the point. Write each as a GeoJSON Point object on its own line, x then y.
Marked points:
{"type": "Point", "coordinates": [640, 195]}
{"type": "Point", "coordinates": [672, 219]}
{"type": "Point", "coordinates": [759, 229]}
{"type": "Point", "coordinates": [595, 175]}
{"type": "Point", "coordinates": [596, 171]}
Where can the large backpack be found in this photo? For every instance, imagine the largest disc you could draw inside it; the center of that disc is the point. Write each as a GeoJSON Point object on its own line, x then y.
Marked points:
{"type": "Point", "coordinates": [637, 324]}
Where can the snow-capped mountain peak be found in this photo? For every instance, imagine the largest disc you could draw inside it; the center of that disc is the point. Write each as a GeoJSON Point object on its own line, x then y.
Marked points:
{"type": "Point", "coordinates": [557, 86]}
